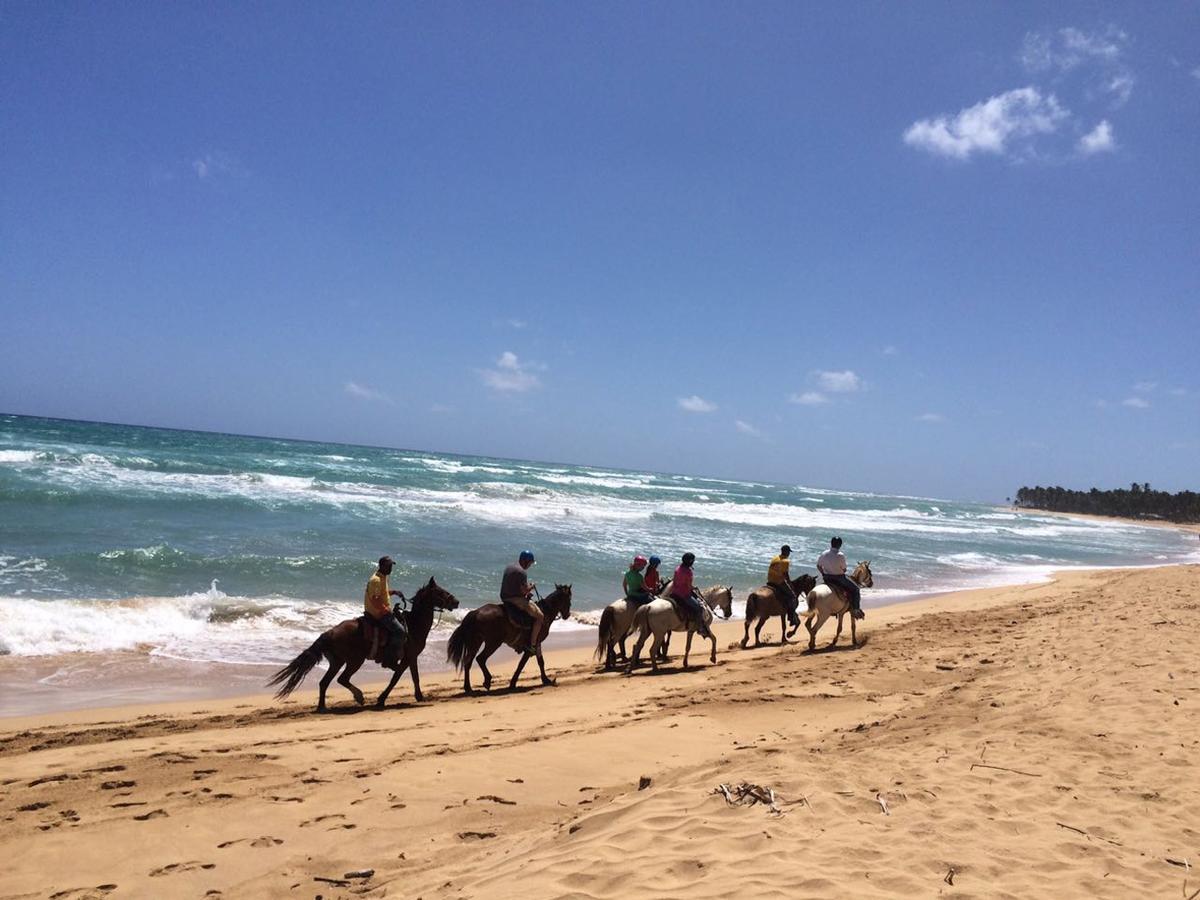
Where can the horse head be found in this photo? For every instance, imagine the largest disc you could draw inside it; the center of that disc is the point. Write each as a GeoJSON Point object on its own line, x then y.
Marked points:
{"type": "Point", "coordinates": [804, 584]}
{"type": "Point", "coordinates": [862, 574]}
{"type": "Point", "coordinates": [721, 598]}
{"type": "Point", "coordinates": [436, 595]}
{"type": "Point", "coordinates": [563, 592]}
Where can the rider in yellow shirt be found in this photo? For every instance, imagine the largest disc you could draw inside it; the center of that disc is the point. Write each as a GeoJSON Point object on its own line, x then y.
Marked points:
{"type": "Point", "coordinates": [780, 581]}
{"type": "Point", "coordinates": [378, 605]}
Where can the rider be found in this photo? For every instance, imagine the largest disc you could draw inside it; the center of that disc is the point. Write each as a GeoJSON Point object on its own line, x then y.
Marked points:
{"type": "Point", "coordinates": [832, 565]}
{"type": "Point", "coordinates": [517, 589]}
{"type": "Point", "coordinates": [653, 580]}
{"type": "Point", "coordinates": [378, 604]}
{"type": "Point", "coordinates": [685, 595]}
{"type": "Point", "coordinates": [777, 578]}
{"type": "Point", "coordinates": [634, 583]}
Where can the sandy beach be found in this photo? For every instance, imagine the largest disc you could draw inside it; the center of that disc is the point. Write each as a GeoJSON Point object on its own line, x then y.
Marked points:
{"type": "Point", "coordinates": [1024, 741]}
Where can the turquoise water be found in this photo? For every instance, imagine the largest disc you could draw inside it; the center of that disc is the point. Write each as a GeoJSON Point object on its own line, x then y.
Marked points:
{"type": "Point", "coordinates": [111, 537]}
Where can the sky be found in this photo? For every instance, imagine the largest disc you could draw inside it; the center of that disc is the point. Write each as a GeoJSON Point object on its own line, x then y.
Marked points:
{"type": "Point", "coordinates": [931, 248]}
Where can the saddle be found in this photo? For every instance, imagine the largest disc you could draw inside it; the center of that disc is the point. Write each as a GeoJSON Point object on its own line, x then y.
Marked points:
{"type": "Point", "coordinates": [377, 635]}
{"type": "Point", "coordinates": [517, 617]}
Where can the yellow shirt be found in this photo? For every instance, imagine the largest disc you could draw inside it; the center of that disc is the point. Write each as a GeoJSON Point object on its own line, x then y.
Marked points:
{"type": "Point", "coordinates": [377, 599]}
{"type": "Point", "coordinates": [778, 572]}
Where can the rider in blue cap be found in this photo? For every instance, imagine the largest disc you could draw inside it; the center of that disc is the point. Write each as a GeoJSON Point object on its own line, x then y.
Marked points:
{"type": "Point", "coordinates": [517, 589]}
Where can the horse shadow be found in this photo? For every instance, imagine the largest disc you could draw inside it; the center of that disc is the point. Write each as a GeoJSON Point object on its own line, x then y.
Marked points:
{"type": "Point", "coordinates": [836, 648]}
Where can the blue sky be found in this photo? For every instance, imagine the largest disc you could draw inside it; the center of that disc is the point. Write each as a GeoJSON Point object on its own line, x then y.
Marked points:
{"type": "Point", "coordinates": [921, 248]}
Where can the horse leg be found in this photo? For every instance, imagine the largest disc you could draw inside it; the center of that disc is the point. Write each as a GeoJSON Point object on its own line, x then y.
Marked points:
{"type": "Point", "coordinates": [624, 657]}
{"type": "Point", "coordinates": [655, 646]}
{"type": "Point", "coordinates": [712, 657]}
{"type": "Point", "coordinates": [520, 665]}
{"type": "Point", "coordinates": [812, 634]}
{"type": "Point", "coordinates": [758, 631]}
{"type": "Point", "coordinates": [352, 666]}
{"type": "Point", "coordinates": [327, 680]}
{"type": "Point", "coordinates": [838, 633]}
{"type": "Point", "coordinates": [396, 672]}
{"type": "Point", "coordinates": [416, 679]}
{"type": "Point", "coordinates": [746, 636]}
{"type": "Point", "coordinates": [782, 629]}
{"type": "Point", "coordinates": [547, 681]}
{"type": "Point", "coordinates": [665, 649]}
{"type": "Point", "coordinates": [854, 631]}
{"type": "Point", "coordinates": [687, 648]}
{"type": "Point", "coordinates": [488, 649]}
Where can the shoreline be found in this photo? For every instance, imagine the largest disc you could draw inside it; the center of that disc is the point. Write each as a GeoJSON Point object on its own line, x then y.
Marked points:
{"type": "Point", "coordinates": [1185, 527]}
{"type": "Point", "coordinates": [1004, 738]}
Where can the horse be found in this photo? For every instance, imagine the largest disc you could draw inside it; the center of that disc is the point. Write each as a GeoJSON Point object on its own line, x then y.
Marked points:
{"type": "Point", "coordinates": [824, 601]}
{"type": "Point", "coordinates": [616, 624]}
{"type": "Point", "coordinates": [762, 603]}
{"type": "Point", "coordinates": [347, 644]}
{"type": "Point", "coordinates": [489, 627]}
{"type": "Point", "coordinates": [659, 616]}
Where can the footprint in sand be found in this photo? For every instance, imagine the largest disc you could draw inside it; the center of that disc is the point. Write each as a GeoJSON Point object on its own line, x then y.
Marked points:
{"type": "Point", "coordinates": [264, 841]}
{"type": "Point", "coordinates": [117, 785]}
{"type": "Point", "coordinates": [190, 866]}
{"type": "Point", "coordinates": [320, 819]}
{"type": "Point", "coordinates": [153, 814]}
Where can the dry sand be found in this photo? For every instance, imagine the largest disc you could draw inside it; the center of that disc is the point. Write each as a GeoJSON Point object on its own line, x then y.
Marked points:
{"type": "Point", "coordinates": [1033, 741]}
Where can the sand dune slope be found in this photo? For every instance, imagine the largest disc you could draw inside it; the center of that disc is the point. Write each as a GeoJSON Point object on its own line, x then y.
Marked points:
{"type": "Point", "coordinates": [1036, 741]}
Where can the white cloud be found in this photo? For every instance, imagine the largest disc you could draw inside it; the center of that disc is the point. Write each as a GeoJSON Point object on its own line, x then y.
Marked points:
{"type": "Point", "coordinates": [931, 417]}
{"type": "Point", "coordinates": [217, 163]}
{"type": "Point", "coordinates": [354, 389]}
{"type": "Point", "coordinates": [1100, 53]}
{"type": "Point", "coordinates": [890, 350]}
{"type": "Point", "coordinates": [991, 126]}
{"type": "Point", "coordinates": [1178, 392]}
{"type": "Point", "coordinates": [839, 382]}
{"type": "Point", "coordinates": [747, 428]}
{"type": "Point", "coordinates": [1136, 402]}
{"type": "Point", "coordinates": [808, 398]}
{"type": "Point", "coordinates": [517, 323]}
{"type": "Point", "coordinates": [1098, 140]}
{"type": "Point", "coordinates": [510, 375]}
{"type": "Point", "coordinates": [1145, 387]}
{"type": "Point", "coordinates": [696, 404]}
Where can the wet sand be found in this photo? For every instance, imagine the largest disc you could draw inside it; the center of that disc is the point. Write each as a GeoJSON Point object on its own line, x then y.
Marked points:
{"type": "Point", "coordinates": [1030, 741]}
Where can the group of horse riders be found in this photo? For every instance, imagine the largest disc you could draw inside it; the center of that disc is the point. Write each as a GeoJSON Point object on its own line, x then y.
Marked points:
{"type": "Point", "coordinates": [516, 590]}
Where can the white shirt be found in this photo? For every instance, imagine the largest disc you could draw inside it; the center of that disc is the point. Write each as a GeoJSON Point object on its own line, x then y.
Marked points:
{"type": "Point", "coordinates": [832, 562]}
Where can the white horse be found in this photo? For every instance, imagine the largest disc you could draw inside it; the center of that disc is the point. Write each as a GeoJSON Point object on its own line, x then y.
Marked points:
{"type": "Point", "coordinates": [824, 602]}
{"type": "Point", "coordinates": [615, 624]}
{"type": "Point", "coordinates": [659, 616]}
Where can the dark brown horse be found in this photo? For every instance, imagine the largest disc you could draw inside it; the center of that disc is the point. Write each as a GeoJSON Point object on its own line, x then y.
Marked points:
{"type": "Point", "coordinates": [348, 644]}
{"type": "Point", "coordinates": [489, 627]}
{"type": "Point", "coordinates": [763, 603]}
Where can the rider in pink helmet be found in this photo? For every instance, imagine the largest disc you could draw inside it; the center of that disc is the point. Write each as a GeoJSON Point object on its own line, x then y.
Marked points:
{"type": "Point", "coordinates": [634, 583]}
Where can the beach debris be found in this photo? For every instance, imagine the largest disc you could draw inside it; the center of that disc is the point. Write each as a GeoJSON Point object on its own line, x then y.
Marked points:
{"type": "Point", "coordinates": [476, 835]}
{"type": "Point", "coordinates": [1090, 836]}
{"type": "Point", "coordinates": [643, 782]}
{"type": "Point", "coordinates": [883, 804]}
{"type": "Point", "coordinates": [1003, 769]}
{"type": "Point", "coordinates": [949, 879]}
{"type": "Point", "coordinates": [360, 873]}
{"type": "Point", "coordinates": [336, 882]}
{"type": "Point", "coordinates": [747, 794]}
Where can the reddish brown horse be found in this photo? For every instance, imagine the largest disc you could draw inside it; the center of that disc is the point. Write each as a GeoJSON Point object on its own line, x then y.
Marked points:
{"type": "Point", "coordinates": [763, 603]}
{"type": "Point", "coordinates": [348, 644]}
{"type": "Point", "coordinates": [490, 626]}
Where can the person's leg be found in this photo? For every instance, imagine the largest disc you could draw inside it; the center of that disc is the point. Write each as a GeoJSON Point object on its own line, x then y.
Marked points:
{"type": "Point", "coordinates": [396, 633]}
{"type": "Point", "coordinates": [697, 611]}
{"type": "Point", "coordinates": [852, 593]}
{"type": "Point", "coordinates": [788, 600]}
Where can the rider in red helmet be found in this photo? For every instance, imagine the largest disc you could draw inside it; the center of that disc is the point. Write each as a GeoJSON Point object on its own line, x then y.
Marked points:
{"type": "Point", "coordinates": [634, 583]}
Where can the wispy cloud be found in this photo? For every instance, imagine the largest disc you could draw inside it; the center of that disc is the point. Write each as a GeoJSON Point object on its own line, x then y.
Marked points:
{"type": "Point", "coordinates": [362, 392]}
{"type": "Point", "coordinates": [216, 164]}
{"type": "Point", "coordinates": [1098, 55]}
{"type": "Point", "coordinates": [890, 350]}
{"type": "Point", "coordinates": [1178, 392]}
{"type": "Point", "coordinates": [1136, 402]}
{"type": "Point", "coordinates": [931, 417]}
{"type": "Point", "coordinates": [843, 382]}
{"type": "Point", "coordinates": [517, 323]}
{"type": "Point", "coordinates": [511, 375]}
{"type": "Point", "coordinates": [1098, 140]}
{"type": "Point", "coordinates": [747, 428]}
{"type": "Point", "coordinates": [809, 398]}
{"type": "Point", "coordinates": [999, 125]}
{"type": "Point", "coordinates": [696, 404]}
{"type": "Point", "coordinates": [1145, 387]}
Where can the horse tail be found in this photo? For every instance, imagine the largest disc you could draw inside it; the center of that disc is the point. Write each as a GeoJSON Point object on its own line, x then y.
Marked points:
{"type": "Point", "coordinates": [290, 676]}
{"type": "Point", "coordinates": [751, 606]}
{"type": "Point", "coordinates": [606, 631]}
{"type": "Point", "coordinates": [812, 602]}
{"type": "Point", "coordinates": [456, 647]}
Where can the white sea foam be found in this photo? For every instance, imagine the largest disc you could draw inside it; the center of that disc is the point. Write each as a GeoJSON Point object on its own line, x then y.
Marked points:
{"type": "Point", "coordinates": [19, 456]}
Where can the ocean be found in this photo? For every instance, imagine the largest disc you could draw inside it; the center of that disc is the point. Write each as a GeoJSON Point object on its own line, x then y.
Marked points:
{"type": "Point", "coordinates": [216, 548]}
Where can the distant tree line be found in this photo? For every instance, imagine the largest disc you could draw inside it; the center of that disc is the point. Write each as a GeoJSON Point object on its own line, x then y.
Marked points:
{"type": "Point", "coordinates": [1138, 502]}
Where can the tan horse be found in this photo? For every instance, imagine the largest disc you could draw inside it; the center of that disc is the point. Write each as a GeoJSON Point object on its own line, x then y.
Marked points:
{"type": "Point", "coordinates": [825, 602]}
{"type": "Point", "coordinates": [660, 618]}
{"type": "Point", "coordinates": [762, 604]}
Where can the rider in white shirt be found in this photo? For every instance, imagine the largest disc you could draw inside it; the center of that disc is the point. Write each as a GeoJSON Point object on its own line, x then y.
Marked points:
{"type": "Point", "coordinates": [832, 566]}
